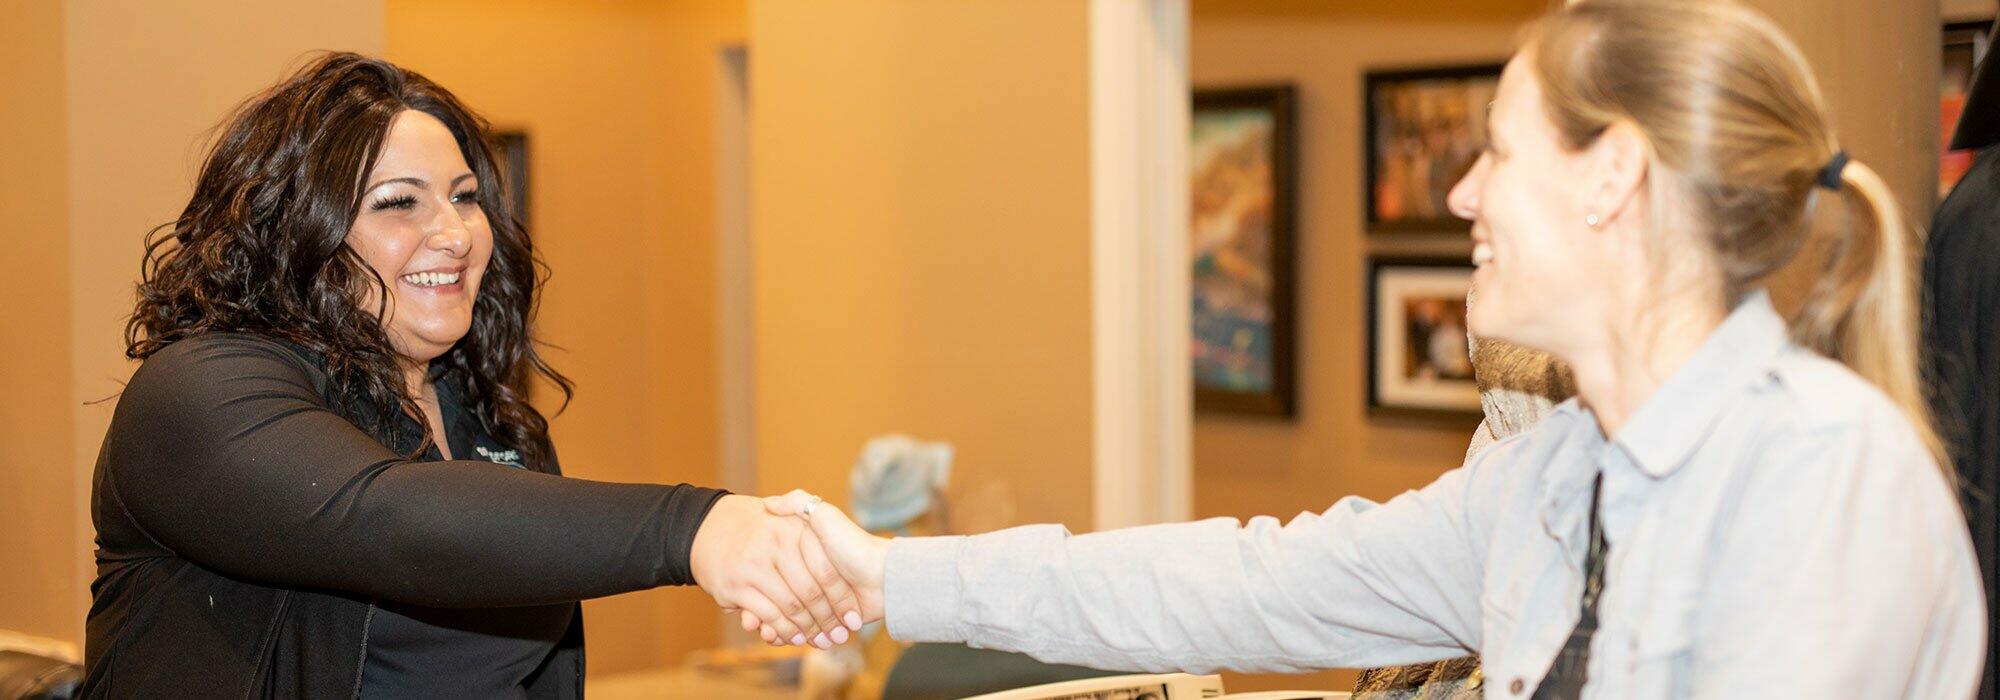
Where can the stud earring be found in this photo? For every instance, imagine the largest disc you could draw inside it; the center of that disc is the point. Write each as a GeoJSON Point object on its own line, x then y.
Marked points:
{"type": "Point", "coordinates": [1590, 220]}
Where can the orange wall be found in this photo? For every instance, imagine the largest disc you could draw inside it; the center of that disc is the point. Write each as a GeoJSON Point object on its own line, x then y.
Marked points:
{"type": "Point", "coordinates": [108, 105]}
{"type": "Point", "coordinates": [37, 489]}
{"type": "Point", "coordinates": [1966, 10]}
{"type": "Point", "coordinates": [1248, 466]}
{"type": "Point", "coordinates": [1245, 466]}
{"type": "Point", "coordinates": [1865, 54]}
{"type": "Point", "coordinates": [921, 245]}
{"type": "Point", "coordinates": [618, 100]}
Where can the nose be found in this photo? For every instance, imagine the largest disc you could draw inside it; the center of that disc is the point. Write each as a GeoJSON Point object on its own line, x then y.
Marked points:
{"type": "Point", "coordinates": [1464, 197]}
{"type": "Point", "coordinates": [451, 236]}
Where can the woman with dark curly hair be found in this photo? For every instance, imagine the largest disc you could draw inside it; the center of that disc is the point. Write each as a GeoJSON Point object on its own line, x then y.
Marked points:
{"type": "Point", "coordinates": [325, 479]}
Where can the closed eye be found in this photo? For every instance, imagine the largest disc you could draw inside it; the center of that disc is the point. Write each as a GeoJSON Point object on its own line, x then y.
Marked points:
{"type": "Point", "coordinates": [403, 201]}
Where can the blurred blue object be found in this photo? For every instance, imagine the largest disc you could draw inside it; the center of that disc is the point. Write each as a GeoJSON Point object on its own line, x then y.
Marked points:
{"type": "Point", "coordinates": [897, 479]}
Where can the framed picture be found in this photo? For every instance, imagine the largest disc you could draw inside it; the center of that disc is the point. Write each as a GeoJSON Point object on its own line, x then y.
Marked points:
{"type": "Point", "coordinates": [1964, 45]}
{"type": "Point", "coordinates": [514, 170]}
{"type": "Point", "coordinates": [1242, 204]}
{"type": "Point", "coordinates": [1418, 362]}
{"type": "Point", "coordinates": [1424, 129]}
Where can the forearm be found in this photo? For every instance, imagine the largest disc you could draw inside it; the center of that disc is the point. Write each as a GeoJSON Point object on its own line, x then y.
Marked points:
{"type": "Point", "coordinates": [223, 452]}
{"type": "Point", "coordinates": [446, 534]}
{"type": "Point", "coordinates": [467, 534]}
{"type": "Point", "coordinates": [1191, 596]}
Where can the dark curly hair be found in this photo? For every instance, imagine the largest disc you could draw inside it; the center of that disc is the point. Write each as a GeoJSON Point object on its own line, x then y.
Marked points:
{"type": "Point", "coordinates": [261, 249]}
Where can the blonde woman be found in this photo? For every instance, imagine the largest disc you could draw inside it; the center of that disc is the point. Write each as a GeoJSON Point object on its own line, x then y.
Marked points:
{"type": "Point", "coordinates": [1736, 504]}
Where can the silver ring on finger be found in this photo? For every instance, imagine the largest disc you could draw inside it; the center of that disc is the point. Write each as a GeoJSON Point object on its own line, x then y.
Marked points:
{"type": "Point", "coordinates": [810, 505]}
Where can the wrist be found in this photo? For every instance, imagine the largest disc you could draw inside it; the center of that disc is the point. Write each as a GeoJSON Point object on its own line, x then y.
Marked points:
{"type": "Point", "coordinates": [878, 555]}
{"type": "Point", "coordinates": [713, 535]}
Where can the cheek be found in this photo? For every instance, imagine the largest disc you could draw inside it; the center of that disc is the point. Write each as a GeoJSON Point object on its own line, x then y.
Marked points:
{"type": "Point", "coordinates": [383, 253]}
{"type": "Point", "coordinates": [381, 248]}
{"type": "Point", "coordinates": [481, 261]}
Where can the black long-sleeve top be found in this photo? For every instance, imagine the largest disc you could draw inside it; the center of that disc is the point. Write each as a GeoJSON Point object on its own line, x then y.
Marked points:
{"type": "Point", "coordinates": [247, 530]}
{"type": "Point", "coordinates": [1962, 355]}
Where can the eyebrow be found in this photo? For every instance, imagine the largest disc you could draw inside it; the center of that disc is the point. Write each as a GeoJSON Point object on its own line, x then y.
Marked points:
{"type": "Point", "coordinates": [416, 181]}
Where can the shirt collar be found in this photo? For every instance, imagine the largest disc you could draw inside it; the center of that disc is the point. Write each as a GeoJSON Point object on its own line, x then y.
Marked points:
{"type": "Point", "coordinates": [1667, 427]}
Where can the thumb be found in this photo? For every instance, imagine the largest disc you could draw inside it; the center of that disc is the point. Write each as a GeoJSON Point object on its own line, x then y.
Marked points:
{"type": "Point", "coordinates": [793, 503]}
{"type": "Point", "coordinates": [844, 540]}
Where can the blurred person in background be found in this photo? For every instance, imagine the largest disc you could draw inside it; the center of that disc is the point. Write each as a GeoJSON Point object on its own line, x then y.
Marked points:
{"type": "Point", "coordinates": [1961, 325]}
{"type": "Point", "coordinates": [1517, 388]}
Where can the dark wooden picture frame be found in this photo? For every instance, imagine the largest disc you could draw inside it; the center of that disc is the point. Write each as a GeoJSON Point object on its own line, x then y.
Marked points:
{"type": "Point", "coordinates": [1964, 46]}
{"type": "Point", "coordinates": [1443, 387]}
{"type": "Point", "coordinates": [1452, 101]}
{"type": "Point", "coordinates": [513, 164]}
{"type": "Point", "coordinates": [1244, 353]}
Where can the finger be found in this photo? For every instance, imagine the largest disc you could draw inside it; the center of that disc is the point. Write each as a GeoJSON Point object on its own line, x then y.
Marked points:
{"type": "Point", "coordinates": [806, 587]}
{"type": "Point", "coordinates": [839, 594]}
{"type": "Point", "coordinates": [826, 517]}
{"type": "Point", "coordinates": [795, 620]}
{"type": "Point", "coordinates": [758, 603]}
{"type": "Point", "coordinates": [749, 622]}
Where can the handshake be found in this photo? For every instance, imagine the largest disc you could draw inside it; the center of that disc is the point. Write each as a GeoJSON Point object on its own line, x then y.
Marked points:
{"type": "Point", "coordinates": [793, 568]}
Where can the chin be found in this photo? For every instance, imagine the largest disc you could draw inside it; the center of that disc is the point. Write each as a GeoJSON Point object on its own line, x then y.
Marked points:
{"type": "Point", "coordinates": [1477, 320]}
{"type": "Point", "coordinates": [428, 343]}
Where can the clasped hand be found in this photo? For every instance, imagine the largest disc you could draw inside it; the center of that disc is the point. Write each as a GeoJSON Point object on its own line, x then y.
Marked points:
{"type": "Point", "coordinates": [791, 579]}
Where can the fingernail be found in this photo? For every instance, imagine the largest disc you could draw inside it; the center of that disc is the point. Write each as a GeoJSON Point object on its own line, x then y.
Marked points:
{"type": "Point", "coordinates": [798, 639]}
{"type": "Point", "coordinates": [840, 635]}
{"type": "Point", "coordinates": [853, 620]}
{"type": "Point", "coordinates": [820, 641]}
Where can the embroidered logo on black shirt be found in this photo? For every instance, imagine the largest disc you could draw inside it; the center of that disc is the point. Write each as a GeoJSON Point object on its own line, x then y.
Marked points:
{"type": "Point", "coordinates": [510, 458]}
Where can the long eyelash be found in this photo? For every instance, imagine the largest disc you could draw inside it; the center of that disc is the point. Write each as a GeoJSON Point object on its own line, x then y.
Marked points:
{"type": "Point", "coordinates": [397, 202]}
{"type": "Point", "coordinates": [466, 196]}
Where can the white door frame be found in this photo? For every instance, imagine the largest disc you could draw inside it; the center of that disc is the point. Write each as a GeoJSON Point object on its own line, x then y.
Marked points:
{"type": "Point", "coordinates": [1142, 389]}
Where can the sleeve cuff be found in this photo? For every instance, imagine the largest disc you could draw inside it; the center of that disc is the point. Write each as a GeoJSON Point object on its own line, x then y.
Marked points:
{"type": "Point", "coordinates": [687, 507]}
{"type": "Point", "coordinates": [921, 589]}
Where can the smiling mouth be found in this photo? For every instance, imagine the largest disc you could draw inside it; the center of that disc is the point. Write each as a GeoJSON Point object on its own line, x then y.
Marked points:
{"type": "Point", "coordinates": [431, 279]}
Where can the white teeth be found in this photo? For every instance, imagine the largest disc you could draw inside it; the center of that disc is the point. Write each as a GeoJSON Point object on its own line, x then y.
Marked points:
{"type": "Point", "coordinates": [1482, 254]}
{"type": "Point", "coordinates": [431, 279]}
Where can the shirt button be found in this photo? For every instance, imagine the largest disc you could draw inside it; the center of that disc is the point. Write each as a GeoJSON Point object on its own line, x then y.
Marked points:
{"type": "Point", "coordinates": [1516, 686]}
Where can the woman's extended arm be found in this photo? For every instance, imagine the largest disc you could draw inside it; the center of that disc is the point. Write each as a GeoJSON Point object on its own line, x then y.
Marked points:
{"type": "Point", "coordinates": [1357, 585]}
{"type": "Point", "coordinates": [223, 452]}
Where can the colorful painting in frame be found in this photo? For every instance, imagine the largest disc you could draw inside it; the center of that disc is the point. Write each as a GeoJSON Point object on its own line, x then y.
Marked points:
{"type": "Point", "coordinates": [1242, 208]}
{"type": "Point", "coordinates": [1419, 363]}
{"type": "Point", "coordinates": [1424, 129]}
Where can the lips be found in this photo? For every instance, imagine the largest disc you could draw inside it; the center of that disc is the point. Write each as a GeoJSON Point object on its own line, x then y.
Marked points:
{"type": "Point", "coordinates": [437, 279]}
{"type": "Point", "coordinates": [433, 278]}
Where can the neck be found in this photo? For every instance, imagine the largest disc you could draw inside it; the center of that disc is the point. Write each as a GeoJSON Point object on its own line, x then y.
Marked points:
{"type": "Point", "coordinates": [416, 378]}
{"type": "Point", "coordinates": [1617, 371]}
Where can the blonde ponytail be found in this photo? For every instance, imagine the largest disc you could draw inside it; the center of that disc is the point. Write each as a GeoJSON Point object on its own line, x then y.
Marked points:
{"type": "Point", "coordinates": [1862, 308]}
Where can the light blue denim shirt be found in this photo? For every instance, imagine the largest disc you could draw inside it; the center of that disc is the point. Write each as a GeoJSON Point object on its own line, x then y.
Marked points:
{"type": "Point", "coordinates": [1776, 529]}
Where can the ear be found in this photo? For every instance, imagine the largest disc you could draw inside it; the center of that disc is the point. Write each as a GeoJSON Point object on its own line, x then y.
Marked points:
{"type": "Point", "coordinates": [1618, 164]}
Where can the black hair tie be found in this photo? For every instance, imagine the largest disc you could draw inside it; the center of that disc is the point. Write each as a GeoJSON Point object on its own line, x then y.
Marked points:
{"type": "Point", "coordinates": [1829, 176]}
